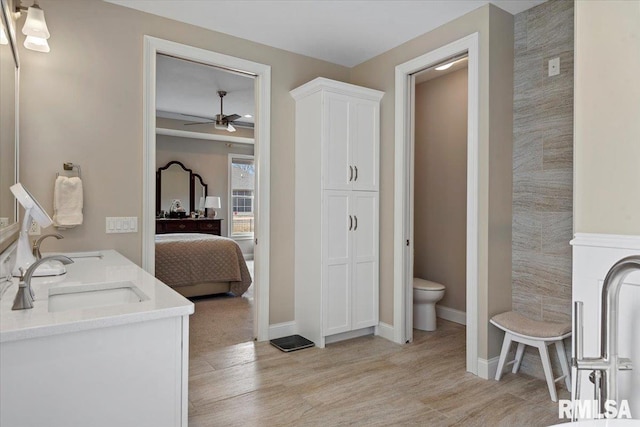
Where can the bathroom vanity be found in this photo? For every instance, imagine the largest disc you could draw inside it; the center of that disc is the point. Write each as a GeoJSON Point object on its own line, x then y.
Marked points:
{"type": "Point", "coordinates": [106, 344]}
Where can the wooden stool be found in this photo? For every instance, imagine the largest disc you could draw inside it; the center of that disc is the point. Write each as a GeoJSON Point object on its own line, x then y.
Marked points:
{"type": "Point", "coordinates": [525, 331]}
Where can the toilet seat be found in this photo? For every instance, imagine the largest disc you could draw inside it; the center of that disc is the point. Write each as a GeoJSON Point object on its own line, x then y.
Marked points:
{"type": "Point", "coordinates": [427, 285]}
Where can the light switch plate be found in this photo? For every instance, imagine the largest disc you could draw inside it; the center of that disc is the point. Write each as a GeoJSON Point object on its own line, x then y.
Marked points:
{"type": "Point", "coordinates": [121, 224]}
{"type": "Point", "coordinates": [554, 67]}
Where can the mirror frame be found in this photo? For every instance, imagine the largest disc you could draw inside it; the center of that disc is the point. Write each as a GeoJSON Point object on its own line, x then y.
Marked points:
{"type": "Point", "coordinates": [10, 233]}
{"type": "Point", "coordinates": [192, 184]}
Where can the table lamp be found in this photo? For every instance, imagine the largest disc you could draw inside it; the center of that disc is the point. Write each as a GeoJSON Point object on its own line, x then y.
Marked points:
{"type": "Point", "coordinates": [212, 202]}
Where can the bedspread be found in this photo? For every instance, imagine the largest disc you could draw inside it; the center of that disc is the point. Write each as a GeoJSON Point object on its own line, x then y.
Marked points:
{"type": "Point", "coordinates": [183, 259]}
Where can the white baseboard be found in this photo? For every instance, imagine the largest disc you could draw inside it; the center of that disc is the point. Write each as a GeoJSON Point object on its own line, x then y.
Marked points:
{"type": "Point", "coordinates": [385, 331]}
{"type": "Point", "coordinates": [348, 335]}
{"type": "Point", "coordinates": [487, 368]}
{"type": "Point", "coordinates": [451, 314]}
{"type": "Point", "coordinates": [283, 329]}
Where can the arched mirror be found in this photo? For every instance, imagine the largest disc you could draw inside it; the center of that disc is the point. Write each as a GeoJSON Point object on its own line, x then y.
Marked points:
{"type": "Point", "coordinates": [9, 89]}
{"type": "Point", "coordinates": [174, 181]}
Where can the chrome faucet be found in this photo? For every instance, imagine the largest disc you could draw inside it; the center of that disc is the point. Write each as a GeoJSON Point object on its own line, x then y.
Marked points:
{"type": "Point", "coordinates": [605, 368]}
{"type": "Point", "coordinates": [24, 296]}
{"type": "Point", "coordinates": [37, 243]}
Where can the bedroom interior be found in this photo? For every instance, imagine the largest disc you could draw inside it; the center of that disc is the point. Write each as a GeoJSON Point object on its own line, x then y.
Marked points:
{"type": "Point", "coordinates": [89, 96]}
{"type": "Point", "coordinates": [201, 254]}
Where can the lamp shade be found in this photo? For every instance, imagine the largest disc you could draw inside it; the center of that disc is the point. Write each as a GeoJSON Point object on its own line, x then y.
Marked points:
{"type": "Point", "coordinates": [35, 24]}
{"type": "Point", "coordinates": [212, 202]}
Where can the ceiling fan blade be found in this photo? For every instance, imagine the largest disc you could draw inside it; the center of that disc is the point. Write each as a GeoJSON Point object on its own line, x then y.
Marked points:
{"type": "Point", "coordinates": [199, 123]}
{"type": "Point", "coordinates": [231, 117]}
{"type": "Point", "coordinates": [198, 117]}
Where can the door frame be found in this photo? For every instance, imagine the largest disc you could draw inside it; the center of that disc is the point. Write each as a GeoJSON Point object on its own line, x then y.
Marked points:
{"type": "Point", "coordinates": [262, 132]}
{"type": "Point", "coordinates": [404, 191]}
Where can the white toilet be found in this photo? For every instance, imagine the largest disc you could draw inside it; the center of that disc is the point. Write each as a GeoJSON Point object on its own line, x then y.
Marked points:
{"type": "Point", "coordinates": [425, 296]}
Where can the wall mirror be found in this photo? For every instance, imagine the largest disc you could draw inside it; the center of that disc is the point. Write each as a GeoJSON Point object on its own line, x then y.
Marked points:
{"type": "Point", "coordinates": [9, 90]}
{"type": "Point", "coordinates": [175, 181]}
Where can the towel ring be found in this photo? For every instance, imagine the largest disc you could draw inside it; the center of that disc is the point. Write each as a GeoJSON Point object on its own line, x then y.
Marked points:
{"type": "Point", "coordinates": [68, 166]}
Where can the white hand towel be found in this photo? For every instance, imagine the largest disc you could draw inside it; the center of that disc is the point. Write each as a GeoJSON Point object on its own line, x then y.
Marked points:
{"type": "Point", "coordinates": [67, 201]}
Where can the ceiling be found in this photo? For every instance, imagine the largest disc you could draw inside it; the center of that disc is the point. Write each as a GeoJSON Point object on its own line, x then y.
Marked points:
{"type": "Point", "coordinates": [185, 87]}
{"type": "Point", "coordinates": [345, 32]}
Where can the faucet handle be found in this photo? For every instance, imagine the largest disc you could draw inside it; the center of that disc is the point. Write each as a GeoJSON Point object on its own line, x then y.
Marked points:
{"type": "Point", "coordinates": [22, 271]}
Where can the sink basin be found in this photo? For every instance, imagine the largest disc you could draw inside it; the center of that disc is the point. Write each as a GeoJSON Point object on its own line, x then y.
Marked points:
{"type": "Point", "coordinates": [93, 295]}
{"type": "Point", "coordinates": [84, 256]}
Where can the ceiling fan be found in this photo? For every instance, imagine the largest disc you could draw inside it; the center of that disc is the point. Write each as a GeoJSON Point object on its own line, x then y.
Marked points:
{"type": "Point", "coordinates": [221, 121]}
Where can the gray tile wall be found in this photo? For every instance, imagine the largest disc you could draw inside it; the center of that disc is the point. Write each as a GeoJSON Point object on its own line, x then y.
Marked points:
{"type": "Point", "coordinates": [543, 166]}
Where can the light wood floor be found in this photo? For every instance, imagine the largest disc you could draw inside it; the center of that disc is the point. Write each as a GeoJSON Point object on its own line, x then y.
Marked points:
{"type": "Point", "coordinates": [367, 381]}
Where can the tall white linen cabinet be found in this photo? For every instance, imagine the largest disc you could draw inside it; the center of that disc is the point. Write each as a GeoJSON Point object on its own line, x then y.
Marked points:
{"type": "Point", "coordinates": [337, 153]}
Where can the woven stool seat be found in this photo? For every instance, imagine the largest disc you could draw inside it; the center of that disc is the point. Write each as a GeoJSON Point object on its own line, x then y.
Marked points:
{"type": "Point", "coordinates": [517, 323]}
{"type": "Point", "coordinates": [524, 331]}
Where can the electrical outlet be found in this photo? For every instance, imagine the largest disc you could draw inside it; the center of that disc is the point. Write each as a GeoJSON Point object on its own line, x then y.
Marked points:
{"type": "Point", "coordinates": [34, 230]}
{"type": "Point", "coordinates": [554, 67]}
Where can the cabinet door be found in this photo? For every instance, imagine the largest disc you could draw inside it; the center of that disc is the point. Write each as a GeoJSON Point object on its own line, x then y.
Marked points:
{"type": "Point", "coordinates": [364, 141]}
{"type": "Point", "coordinates": [336, 247]}
{"type": "Point", "coordinates": [337, 169]}
{"type": "Point", "coordinates": [365, 284]}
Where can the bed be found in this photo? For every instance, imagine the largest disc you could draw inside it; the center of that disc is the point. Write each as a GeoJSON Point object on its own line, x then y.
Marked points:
{"type": "Point", "coordinates": [201, 264]}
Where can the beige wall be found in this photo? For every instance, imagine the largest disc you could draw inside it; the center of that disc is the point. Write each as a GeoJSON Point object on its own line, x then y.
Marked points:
{"type": "Point", "coordinates": [440, 198]}
{"type": "Point", "coordinates": [607, 117]}
{"type": "Point", "coordinates": [82, 103]}
{"type": "Point", "coordinates": [495, 28]}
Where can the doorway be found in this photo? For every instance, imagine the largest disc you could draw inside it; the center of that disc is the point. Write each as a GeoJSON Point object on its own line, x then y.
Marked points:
{"type": "Point", "coordinates": [404, 191]}
{"type": "Point", "coordinates": [262, 77]}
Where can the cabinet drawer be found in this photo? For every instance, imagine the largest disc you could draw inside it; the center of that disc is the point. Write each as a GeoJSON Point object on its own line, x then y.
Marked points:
{"type": "Point", "coordinates": [209, 226]}
{"type": "Point", "coordinates": [177, 227]}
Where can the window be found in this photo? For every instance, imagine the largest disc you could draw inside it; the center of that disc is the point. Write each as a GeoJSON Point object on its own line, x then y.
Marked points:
{"type": "Point", "coordinates": [242, 184]}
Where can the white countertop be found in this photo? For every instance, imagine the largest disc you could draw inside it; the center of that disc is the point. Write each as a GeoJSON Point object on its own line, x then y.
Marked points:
{"type": "Point", "coordinates": [162, 301]}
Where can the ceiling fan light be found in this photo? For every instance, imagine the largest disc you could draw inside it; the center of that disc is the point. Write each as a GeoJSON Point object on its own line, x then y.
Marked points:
{"type": "Point", "coordinates": [220, 126]}
{"type": "Point", "coordinates": [230, 128]}
{"type": "Point", "coordinates": [35, 24]}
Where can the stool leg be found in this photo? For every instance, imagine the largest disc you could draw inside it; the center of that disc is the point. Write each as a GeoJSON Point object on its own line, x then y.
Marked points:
{"type": "Point", "coordinates": [519, 355]}
{"type": "Point", "coordinates": [506, 344]}
{"type": "Point", "coordinates": [563, 363]}
{"type": "Point", "coordinates": [548, 373]}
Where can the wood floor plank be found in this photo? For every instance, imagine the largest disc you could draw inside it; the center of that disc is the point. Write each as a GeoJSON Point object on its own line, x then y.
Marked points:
{"type": "Point", "coordinates": [367, 381]}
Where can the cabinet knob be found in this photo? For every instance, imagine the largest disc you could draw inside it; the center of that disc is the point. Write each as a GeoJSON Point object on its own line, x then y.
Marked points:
{"type": "Point", "coordinates": [181, 226]}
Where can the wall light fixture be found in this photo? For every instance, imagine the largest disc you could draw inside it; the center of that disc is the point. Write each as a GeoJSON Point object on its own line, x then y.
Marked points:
{"type": "Point", "coordinates": [35, 28]}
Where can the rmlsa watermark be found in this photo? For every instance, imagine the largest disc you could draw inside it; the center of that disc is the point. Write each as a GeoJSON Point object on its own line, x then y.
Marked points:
{"type": "Point", "coordinates": [588, 409]}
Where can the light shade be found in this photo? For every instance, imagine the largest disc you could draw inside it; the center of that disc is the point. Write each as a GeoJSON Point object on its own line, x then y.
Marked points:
{"type": "Point", "coordinates": [35, 24]}
{"type": "Point", "coordinates": [35, 28]}
{"type": "Point", "coordinates": [3, 35]}
{"type": "Point", "coordinates": [212, 202]}
{"type": "Point", "coordinates": [445, 66]}
{"type": "Point", "coordinates": [36, 43]}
